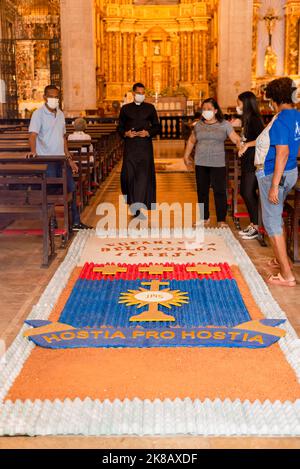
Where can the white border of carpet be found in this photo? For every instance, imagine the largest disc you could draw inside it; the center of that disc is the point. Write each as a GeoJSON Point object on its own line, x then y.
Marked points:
{"type": "Point", "coordinates": [137, 417]}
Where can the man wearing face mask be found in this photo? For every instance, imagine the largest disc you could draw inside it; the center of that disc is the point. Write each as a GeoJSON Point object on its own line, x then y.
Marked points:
{"type": "Point", "coordinates": [138, 124]}
{"type": "Point", "coordinates": [47, 137]}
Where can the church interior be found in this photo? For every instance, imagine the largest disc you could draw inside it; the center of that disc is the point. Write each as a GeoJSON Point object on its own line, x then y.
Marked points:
{"type": "Point", "coordinates": [180, 53]}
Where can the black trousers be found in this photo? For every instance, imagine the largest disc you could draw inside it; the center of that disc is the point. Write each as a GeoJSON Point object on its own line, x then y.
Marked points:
{"type": "Point", "coordinates": [216, 178]}
{"type": "Point", "coordinates": [249, 192]}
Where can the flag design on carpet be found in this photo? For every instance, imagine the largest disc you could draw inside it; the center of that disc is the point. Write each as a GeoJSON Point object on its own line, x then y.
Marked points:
{"type": "Point", "coordinates": [99, 300]}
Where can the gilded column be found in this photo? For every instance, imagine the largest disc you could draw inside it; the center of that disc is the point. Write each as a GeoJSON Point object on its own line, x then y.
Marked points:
{"type": "Point", "coordinates": [132, 63]}
{"type": "Point", "coordinates": [195, 57]}
{"type": "Point", "coordinates": [125, 56]}
{"type": "Point", "coordinates": [110, 56]}
{"type": "Point", "coordinates": [102, 39]}
{"type": "Point", "coordinates": [205, 55]}
{"type": "Point", "coordinates": [182, 61]}
{"type": "Point", "coordinates": [185, 61]}
{"type": "Point", "coordinates": [201, 54]}
{"type": "Point", "coordinates": [189, 53]}
{"type": "Point", "coordinates": [291, 39]}
{"type": "Point", "coordinates": [118, 57]}
{"type": "Point", "coordinates": [256, 7]}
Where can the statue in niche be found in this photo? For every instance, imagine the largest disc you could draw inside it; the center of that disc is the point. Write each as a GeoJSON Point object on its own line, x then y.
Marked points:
{"type": "Point", "coordinates": [29, 29]}
{"type": "Point", "coordinates": [157, 49]}
{"type": "Point", "coordinates": [52, 30]}
{"type": "Point", "coordinates": [41, 58]}
{"type": "Point", "coordinates": [270, 62]}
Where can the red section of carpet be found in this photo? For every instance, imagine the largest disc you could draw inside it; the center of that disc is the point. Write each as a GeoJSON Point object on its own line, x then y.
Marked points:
{"type": "Point", "coordinates": [179, 272]}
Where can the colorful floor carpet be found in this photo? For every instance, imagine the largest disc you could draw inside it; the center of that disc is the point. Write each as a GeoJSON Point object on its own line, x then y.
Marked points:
{"type": "Point", "coordinates": [153, 337]}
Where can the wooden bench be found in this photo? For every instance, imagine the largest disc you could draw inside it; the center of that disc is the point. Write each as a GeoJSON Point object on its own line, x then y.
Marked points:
{"type": "Point", "coordinates": [28, 203]}
{"type": "Point", "coordinates": [293, 207]}
{"type": "Point", "coordinates": [61, 198]}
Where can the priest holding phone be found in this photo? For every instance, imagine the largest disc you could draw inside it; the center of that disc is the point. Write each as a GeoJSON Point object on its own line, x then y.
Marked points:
{"type": "Point", "coordinates": [138, 124]}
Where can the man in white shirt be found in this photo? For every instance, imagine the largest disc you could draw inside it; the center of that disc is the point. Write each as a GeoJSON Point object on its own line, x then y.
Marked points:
{"type": "Point", "coordinates": [47, 137]}
{"type": "Point", "coordinates": [80, 135]}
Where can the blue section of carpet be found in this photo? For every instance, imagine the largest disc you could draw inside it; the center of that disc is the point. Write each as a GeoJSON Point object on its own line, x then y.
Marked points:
{"type": "Point", "coordinates": [215, 303]}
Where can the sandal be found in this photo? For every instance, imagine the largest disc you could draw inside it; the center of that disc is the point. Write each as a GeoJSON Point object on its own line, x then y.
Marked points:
{"type": "Point", "coordinates": [279, 280]}
{"type": "Point", "coordinates": [273, 262]}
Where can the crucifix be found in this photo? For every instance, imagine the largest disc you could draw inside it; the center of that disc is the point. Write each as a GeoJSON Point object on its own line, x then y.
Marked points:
{"type": "Point", "coordinates": [270, 19]}
{"type": "Point", "coordinates": [270, 62]}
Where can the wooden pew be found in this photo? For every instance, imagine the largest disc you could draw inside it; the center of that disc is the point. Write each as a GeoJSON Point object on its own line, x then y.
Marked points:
{"type": "Point", "coordinates": [292, 235]}
{"type": "Point", "coordinates": [18, 146]}
{"type": "Point", "coordinates": [26, 203]}
{"type": "Point", "coordinates": [61, 198]}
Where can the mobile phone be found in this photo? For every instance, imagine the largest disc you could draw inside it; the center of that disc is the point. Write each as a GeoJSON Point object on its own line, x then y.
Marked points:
{"type": "Point", "coordinates": [282, 181]}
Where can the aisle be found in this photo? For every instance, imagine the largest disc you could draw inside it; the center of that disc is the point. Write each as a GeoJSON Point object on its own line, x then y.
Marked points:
{"type": "Point", "coordinates": [172, 187]}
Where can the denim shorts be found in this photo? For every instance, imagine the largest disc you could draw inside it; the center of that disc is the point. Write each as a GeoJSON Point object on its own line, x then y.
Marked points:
{"type": "Point", "coordinates": [271, 213]}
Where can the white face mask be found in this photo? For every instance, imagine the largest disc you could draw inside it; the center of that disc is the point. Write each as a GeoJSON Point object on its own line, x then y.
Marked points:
{"type": "Point", "coordinates": [208, 115]}
{"type": "Point", "coordinates": [139, 98]}
{"type": "Point", "coordinates": [53, 103]}
{"type": "Point", "coordinates": [239, 111]}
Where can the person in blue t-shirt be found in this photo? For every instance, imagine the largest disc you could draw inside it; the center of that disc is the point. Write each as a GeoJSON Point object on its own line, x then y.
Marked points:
{"type": "Point", "coordinates": [279, 173]}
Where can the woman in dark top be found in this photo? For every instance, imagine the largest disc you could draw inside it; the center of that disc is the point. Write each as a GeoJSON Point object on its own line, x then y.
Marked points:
{"type": "Point", "coordinates": [252, 127]}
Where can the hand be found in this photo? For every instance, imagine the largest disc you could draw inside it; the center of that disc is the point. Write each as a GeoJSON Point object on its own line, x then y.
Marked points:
{"type": "Point", "coordinates": [273, 195]}
{"type": "Point", "coordinates": [31, 155]}
{"type": "Point", "coordinates": [73, 166]}
{"type": "Point", "coordinates": [143, 133]}
{"type": "Point", "coordinates": [131, 134]}
{"type": "Point", "coordinates": [189, 163]}
{"type": "Point", "coordinates": [242, 149]}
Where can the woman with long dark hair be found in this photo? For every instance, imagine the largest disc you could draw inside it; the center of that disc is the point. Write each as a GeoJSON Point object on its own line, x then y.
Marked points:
{"type": "Point", "coordinates": [252, 127]}
{"type": "Point", "coordinates": [209, 135]}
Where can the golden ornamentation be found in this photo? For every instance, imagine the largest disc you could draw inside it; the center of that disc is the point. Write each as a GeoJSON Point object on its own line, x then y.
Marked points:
{"type": "Point", "coordinates": [132, 47]}
{"type": "Point", "coordinates": [109, 270]}
{"type": "Point", "coordinates": [270, 62]}
{"type": "Point", "coordinates": [256, 7]}
{"type": "Point", "coordinates": [292, 17]}
{"type": "Point", "coordinates": [203, 269]}
{"type": "Point", "coordinates": [153, 298]}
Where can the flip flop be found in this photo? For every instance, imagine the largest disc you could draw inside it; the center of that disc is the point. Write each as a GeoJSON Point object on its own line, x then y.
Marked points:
{"type": "Point", "coordinates": [273, 262]}
{"type": "Point", "coordinates": [279, 280]}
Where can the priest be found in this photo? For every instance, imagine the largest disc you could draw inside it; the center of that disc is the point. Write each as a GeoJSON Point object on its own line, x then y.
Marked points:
{"type": "Point", "coordinates": [138, 124]}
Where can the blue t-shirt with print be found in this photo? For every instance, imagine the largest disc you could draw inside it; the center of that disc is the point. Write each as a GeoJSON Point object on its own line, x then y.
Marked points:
{"type": "Point", "coordinates": [284, 131]}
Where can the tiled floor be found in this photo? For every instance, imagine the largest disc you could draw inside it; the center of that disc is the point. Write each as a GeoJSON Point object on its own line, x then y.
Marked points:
{"type": "Point", "coordinates": [22, 282]}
